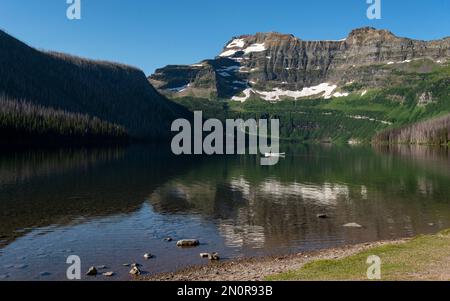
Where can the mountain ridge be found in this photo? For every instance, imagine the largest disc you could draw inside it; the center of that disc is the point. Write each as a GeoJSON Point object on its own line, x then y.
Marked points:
{"type": "Point", "coordinates": [275, 65]}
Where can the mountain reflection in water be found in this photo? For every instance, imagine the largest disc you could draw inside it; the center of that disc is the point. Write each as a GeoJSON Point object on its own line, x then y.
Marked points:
{"type": "Point", "coordinates": [113, 205]}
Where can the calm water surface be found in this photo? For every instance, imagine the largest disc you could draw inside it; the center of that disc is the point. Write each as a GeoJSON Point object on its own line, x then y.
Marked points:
{"type": "Point", "coordinates": [111, 206]}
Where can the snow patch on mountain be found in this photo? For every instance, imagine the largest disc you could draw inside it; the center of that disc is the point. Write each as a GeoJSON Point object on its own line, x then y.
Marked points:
{"type": "Point", "coordinates": [325, 90]}
{"type": "Point", "coordinates": [247, 92]}
{"type": "Point", "coordinates": [179, 89]}
{"type": "Point", "coordinates": [228, 53]}
{"type": "Point", "coordinates": [255, 48]}
{"type": "Point", "coordinates": [236, 43]}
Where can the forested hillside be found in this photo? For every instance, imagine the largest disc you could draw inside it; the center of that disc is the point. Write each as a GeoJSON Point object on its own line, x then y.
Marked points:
{"type": "Point", "coordinates": [103, 93]}
{"type": "Point", "coordinates": [22, 122]}
{"type": "Point", "coordinates": [435, 131]}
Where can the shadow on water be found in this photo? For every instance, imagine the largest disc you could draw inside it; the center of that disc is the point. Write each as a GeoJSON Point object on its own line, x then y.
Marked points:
{"type": "Point", "coordinates": [42, 188]}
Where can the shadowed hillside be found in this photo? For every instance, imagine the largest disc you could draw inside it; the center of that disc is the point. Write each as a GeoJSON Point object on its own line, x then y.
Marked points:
{"type": "Point", "coordinates": [21, 121]}
{"type": "Point", "coordinates": [113, 93]}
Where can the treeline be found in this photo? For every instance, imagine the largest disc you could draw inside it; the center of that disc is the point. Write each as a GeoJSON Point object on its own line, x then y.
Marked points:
{"type": "Point", "coordinates": [434, 131]}
{"type": "Point", "coordinates": [22, 122]}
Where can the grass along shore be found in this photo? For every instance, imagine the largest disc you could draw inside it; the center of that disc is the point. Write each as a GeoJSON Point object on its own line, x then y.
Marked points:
{"type": "Point", "coordinates": [425, 257]}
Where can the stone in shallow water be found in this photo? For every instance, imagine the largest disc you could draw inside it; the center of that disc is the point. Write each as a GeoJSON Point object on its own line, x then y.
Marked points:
{"type": "Point", "coordinates": [44, 274]}
{"type": "Point", "coordinates": [108, 274]}
{"type": "Point", "coordinates": [353, 225]}
{"type": "Point", "coordinates": [204, 255]}
{"type": "Point", "coordinates": [92, 271]}
{"type": "Point", "coordinates": [148, 256]}
{"type": "Point", "coordinates": [168, 239]}
{"type": "Point", "coordinates": [135, 271]}
{"type": "Point", "coordinates": [214, 256]}
{"type": "Point", "coordinates": [188, 243]}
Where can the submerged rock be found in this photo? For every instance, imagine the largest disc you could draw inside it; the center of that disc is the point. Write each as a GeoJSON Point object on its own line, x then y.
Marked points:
{"type": "Point", "coordinates": [188, 243]}
{"type": "Point", "coordinates": [148, 256]}
{"type": "Point", "coordinates": [44, 274]}
{"type": "Point", "coordinates": [92, 271]}
{"type": "Point", "coordinates": [353, 225]}
{"type": "Point", "coordinates": [168, 239]}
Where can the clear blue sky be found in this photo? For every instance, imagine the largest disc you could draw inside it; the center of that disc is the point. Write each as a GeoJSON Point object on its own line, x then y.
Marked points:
{"type": "Point", "coordinates": [152, 33]}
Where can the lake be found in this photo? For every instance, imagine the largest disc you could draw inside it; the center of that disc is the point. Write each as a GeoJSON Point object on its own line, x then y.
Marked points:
{"type": "Point", "coordinates": [110, 206]}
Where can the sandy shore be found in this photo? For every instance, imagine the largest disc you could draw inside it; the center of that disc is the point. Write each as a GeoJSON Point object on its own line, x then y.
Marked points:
{"type": "Point", "coordinates": [256, 269]}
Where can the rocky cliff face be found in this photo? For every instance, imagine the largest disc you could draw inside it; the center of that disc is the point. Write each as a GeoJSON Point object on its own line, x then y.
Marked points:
{"type": "Point", "coordinates": [275, 66]}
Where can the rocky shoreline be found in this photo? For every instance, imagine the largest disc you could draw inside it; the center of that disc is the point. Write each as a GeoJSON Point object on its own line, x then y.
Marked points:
{"type": "Point", "coordinates": [257, 269]}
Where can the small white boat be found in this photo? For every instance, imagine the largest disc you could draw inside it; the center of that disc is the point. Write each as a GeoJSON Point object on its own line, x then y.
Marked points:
{"type": "Point", "coordinates": [269, 155]}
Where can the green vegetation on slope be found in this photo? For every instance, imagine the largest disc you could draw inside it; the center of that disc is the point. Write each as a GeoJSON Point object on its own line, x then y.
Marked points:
{"type": "Point", "coordinates": [424, 257]}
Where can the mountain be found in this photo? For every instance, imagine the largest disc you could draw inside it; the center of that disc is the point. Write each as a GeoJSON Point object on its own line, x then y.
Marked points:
{"type": "Point", "coordinates": [275, 66]}
{"type": "Point", "coordinates": [53, 94]}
